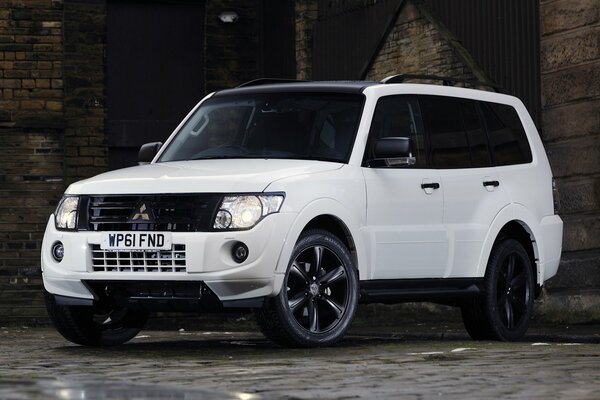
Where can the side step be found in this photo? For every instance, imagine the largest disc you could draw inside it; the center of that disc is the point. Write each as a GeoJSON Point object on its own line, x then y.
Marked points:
{"type": "Point", "coordinates": [391, 291]}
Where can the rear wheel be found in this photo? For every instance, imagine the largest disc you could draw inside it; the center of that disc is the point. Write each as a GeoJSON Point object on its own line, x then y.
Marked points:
{"type": "Point", "coordinates": [503, 310]}
{"type": "Point", "coordinates": [319, 296]}
{"type": "Point", "coordinates": [92, 326]}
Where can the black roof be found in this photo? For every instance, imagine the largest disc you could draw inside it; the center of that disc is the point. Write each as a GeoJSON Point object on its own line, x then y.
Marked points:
{"type": "Point", "coordinates": [320, 86]}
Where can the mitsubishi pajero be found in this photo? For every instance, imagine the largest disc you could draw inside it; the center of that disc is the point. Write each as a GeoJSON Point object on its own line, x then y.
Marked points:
{"type": "Point", "coordinates": [300, 200]}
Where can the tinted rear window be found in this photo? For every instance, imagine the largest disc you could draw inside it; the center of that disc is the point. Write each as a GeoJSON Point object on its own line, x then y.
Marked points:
{"type": "Point", "coordinates": [506, 133]}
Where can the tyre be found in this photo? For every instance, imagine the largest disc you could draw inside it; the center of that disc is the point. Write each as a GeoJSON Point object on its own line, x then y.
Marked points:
{"type": "Point", "coordinates": [319, 296]}
{"type": "Point", "coordinates": [503, 310]}
{"type": "Point", "coordinates": [90, 326]}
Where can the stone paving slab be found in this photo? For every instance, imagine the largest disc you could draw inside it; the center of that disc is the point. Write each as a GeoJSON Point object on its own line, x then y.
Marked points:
{"type": "Point", "coordinates": [418, 362]}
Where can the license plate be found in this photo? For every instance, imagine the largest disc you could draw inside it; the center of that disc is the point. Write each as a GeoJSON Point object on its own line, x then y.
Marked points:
{"type": "Point", "coordinates": [136, 241]}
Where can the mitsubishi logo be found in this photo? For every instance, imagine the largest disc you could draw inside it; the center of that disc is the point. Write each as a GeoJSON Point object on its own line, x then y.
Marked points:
{"type": "Point", "coordinates": [141, 214]}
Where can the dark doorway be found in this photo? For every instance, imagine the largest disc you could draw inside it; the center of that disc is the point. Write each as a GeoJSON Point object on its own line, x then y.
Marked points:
{"type": "Point", "coordinates": [155, 59]}
{"type": "Point", "coordinates": [278, 39]}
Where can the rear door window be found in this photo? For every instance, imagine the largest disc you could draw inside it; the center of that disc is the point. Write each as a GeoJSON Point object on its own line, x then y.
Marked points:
{"type": "Point", "coordinates": [456, 133]}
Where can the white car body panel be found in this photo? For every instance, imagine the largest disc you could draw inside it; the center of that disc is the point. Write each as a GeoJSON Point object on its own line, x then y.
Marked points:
{"type": "Point", "coordinates": [405, 224]}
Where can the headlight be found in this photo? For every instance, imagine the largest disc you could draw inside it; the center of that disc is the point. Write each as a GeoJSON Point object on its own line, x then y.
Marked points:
{"type": "Point", "coordinates": [65, 216]}
{"type": "Point", "coordinates": [243, 212]}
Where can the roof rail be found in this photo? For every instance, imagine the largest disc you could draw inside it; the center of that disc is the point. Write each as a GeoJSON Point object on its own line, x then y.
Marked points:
{"type": "Point", "coordinates": [446, 81]}
{"type": "Point", "coordinates": [268, 81]}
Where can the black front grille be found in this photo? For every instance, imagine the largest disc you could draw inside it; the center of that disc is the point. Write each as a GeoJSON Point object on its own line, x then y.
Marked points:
{"type": "Point", "coordinates": [175, 213]}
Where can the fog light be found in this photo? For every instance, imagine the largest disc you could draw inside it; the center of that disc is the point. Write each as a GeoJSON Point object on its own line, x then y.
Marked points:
{"type": "Point", "coordinates": [239, 252]}
{"type": "Point", "coordinates": [58, 251]}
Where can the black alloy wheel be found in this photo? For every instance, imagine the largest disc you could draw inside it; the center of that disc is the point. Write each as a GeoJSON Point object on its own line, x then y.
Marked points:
{"type": "Point", "coordinates": [319, 296]}
{"type": "Point", "coordinates": [317, 289]}
{"type": "Point", "coordinates": [503, 310]}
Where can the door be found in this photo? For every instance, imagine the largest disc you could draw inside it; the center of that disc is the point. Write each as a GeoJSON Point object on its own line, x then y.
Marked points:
{"type": "Point", "coordinates": [404, 204]}
{"type": "Point", "coordinates": [155, 72]}
{"type": "Point", "coordinates": [474, 191]}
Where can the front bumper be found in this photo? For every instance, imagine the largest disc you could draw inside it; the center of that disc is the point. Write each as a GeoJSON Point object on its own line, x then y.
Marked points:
{"type": "Point", "coordinates": [208, 260]}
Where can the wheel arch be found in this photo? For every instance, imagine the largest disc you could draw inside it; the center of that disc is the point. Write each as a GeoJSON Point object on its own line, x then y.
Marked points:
{"type": "Point", "coordinates": [519, 231]}
{"type": "Point", "coordinates": [514, 222]}
{"type": "Point", "coordinates": [336, 226]}
{"type": "Point", "coordinates": [332, 216]}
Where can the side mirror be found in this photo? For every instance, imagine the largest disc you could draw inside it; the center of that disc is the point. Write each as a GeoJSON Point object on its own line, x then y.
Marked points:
{"type": "Point", "coordinates": [147, 152]}
{"type": "Point", "coordinates": [394, 151]}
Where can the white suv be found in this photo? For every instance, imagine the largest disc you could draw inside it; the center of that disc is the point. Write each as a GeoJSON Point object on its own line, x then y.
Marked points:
{"type": "Point", "coordinates": [300, 200]}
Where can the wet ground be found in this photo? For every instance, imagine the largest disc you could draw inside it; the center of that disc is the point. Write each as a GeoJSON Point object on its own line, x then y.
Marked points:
{"type": "Point", "coordinates": [415, 362]}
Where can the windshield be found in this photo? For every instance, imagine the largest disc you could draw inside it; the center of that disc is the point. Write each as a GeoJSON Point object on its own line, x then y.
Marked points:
{"type": "Point", "coordinates": [311, 126]}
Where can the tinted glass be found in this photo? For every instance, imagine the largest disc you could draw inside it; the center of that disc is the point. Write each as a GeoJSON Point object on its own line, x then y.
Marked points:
{"type": "Point", "coordinates": [449, 143]}
{"type": "Point", "coordinates": [398, 116]}
{"type": "Point", "coordinates": [313, 126]}
{"type": "Point", "coordinates": [476, 136]}
{"type": "Point", "coordinates": [457, 135]}
{"type": "Point", "coordinates": [506, 133]}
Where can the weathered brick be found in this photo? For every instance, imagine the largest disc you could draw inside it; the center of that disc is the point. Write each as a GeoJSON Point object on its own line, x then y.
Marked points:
{"type": "Point", "coordinates": [578, 196]}
{"type": "Point", "coordinates": [46, 94]}
{"type": "Point", "coordinates": [54, 105]}
{"type": "Point", "coordinates": [578, 119]}
{"type": "Point", "coordinates": [10, 83]}
{"type": "Point", "coordinates": [577, 83]}
{"type": "Point", "coordinates": [560, 51]}
{"type": "Point", "coordinates": [51, 24]}
{"type": "Point", "coordinates": [44, 65]}
{"type": "Point", "coordinates": [92, 151]}
{"type": "Point", "coordinates": [16, 73]}
{"type": "Point", "coordinates": [575, 157]}
{"type": "Point", "coordinates": [563, 15]}
{"type": "Point", "coordinates": [46, 47]}
{"type": "Point", "coordinates": [32, 104]}
{"type": "Point", "coordinates": [22, 93]}
{"type": "Point", "coordinates": [581, 232]}
{"type": "Point", "coordinates": [42, 83]}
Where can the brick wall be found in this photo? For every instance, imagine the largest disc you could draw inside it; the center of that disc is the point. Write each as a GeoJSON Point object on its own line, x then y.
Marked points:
{"type": "Point", "coordinates": [570, 70]}
{"type": "Point", "coordinates": [416, 44]}
{"type": "Point", "coordinates": [31, 154]}
{"type": "Point", "coordinates": [84, 86]}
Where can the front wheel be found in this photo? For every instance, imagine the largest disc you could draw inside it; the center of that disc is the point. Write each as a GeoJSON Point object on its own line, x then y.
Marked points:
{"type": "Point", "coordinates": [92, 326]}
{"type": "Point", "coordinates": [319, 296]}
{"type": "Point", "coordinates": [503, 310]}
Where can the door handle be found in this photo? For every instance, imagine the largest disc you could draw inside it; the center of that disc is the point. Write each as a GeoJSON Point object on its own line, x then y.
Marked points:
{"type": "Point", "coordinates": [491, 183]}
{"type": "Point", "coordinates": [433, 185]}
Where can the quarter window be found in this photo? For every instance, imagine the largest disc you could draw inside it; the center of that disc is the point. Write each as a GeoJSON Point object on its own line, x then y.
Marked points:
{"type": "Point", "coordinates": [507, 136]}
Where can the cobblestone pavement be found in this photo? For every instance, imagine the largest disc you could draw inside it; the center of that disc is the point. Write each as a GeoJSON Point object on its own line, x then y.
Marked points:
{"type": "Point", "coordinates": [416, 363]}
